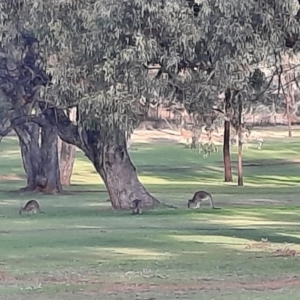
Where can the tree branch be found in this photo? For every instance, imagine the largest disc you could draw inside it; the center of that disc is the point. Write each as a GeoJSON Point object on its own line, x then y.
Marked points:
{"type": "Point", "coordinates": [5, 132]}
{"type": "Point", "coordinates": [39, 120]}
{"type": "Point", "coordinates": [67, 131]}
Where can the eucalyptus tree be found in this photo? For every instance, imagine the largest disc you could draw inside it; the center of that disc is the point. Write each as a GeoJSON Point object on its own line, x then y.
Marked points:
{"type": "Point", "coordinates": [100, 54]}
{"type": "Point", "coordinates": [243, 37]}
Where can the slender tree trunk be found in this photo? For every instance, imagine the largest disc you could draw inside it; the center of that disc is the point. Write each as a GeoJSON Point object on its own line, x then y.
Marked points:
{"type": "Point", "coordinates": [288, 114]}
{"type": "Point", "coordinates": [274, 112]}
{"type": "Point", "coordinates": [226, 153]}
{"type": "Point", "coordinates": [111, 160]}
{"type": "Point", "coordinates": [40, 161]}
{"type": "Point", "coordinates": [240, 159]}
{"type": "Point", "coordinates": [240, 144]}
{"type": "Point", "coordinates": [50, 164]}
{"type": "Point", "coordinates": [67, 155]}
{"type": "Point", "coordinates": [226, 141]}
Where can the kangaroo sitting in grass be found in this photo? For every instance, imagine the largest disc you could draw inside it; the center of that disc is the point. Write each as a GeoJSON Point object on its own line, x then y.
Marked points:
{"type": "Point", "coordinates": [199, 197]}
{"type": "Point", "coordinates": [31, 206]}
{"type": "Point", "coordinates": [136, 206]}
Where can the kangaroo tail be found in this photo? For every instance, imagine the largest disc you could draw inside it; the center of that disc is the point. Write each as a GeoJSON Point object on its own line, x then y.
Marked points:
{"type": "Point", "coordinates": [168, 205]}
{"type": "Point", "coordinates": [212, 204]}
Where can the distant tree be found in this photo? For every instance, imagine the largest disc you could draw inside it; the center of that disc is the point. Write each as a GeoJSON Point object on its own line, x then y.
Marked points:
{"type": "Point", "coordinates": [226, 139]}
{"type": "Point", "coordinates": [100, 57]}
{"type": "Point", "coordinates": [289, 87]}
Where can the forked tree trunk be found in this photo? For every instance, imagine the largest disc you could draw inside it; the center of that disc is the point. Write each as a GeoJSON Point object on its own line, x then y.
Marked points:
{"type": "Point", "coordinates": [108, 153]}
{"type": "Point", "coordinates": [226, 141]}
{"type": "Point", "coordinates": [40, 161]}
{"type": "Point", "coordinates": [112, 162]}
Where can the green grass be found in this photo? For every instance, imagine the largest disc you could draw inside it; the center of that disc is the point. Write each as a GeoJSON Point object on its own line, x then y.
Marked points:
{"type": "Point", "coordinates": [81, 248]}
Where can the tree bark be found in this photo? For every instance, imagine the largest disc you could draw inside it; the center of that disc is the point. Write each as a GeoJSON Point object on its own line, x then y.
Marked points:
{"type": "Point", "coordinates": [288, 114]}
{"type": "Point", "coordinates": [226, 153]}
{"type": "Point", "coordinates": [31, 157]}
{"type": "Point", "coordinates": [240, 144]}
{"type": "Point", "coordinates": [111, 160]}
{"type": "Point", "coordinates": [67, 155]}
{"type": "Point", "coordinates": [40, 161]}
{"type": "Point", "coordinates": [50, 164]}
{"type": "Point", "coordinates": [129, 143]}
{"type": "Point", "coordinates": [226, 141]}
{"type": "Point", "coordinates": [240, 158]}
{"type": "Point", "coordinates": [274, 112]}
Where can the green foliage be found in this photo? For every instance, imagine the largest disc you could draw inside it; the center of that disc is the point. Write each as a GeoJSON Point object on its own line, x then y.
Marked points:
{"type": "Point", "coordinates": [98, 51]}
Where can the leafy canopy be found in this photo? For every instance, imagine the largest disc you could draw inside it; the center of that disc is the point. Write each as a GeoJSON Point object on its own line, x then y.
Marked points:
{"type": "Point", "coordinates": [101, 53]}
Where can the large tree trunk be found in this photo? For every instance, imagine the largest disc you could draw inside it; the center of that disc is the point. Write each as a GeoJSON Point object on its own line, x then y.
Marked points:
{"type": "Point", "coordinates": [226, 141]}
{"type": "Point", "coordinates": [40, 162]}
{"type": "Point", "coordinates": [50, 165]}
{"type": "Point", "coordinates": [110, 158]}
{"type": "Point", "coordinates": [226, 153]}
{"type": "Point", "coordinates": [67, 155]}
{"type": "Point", "coordinates": [108, 153]}
{"type": "Point", "coordinates": [31, 156]}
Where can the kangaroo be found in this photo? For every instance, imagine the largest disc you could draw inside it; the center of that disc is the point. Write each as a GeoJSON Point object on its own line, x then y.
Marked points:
{"type": "Point", "coordinates": [186, 134]}
{"type": "Point", "coordinates": [200, 197]}
{"type": "Point", "coordinates": [245, 138]}
{"type": "Point", "coordinates": [136, 206]}
{"type": "Point", "coordinates": [31, 206]}
{"type": "Point", "coordinates": [192, 136]}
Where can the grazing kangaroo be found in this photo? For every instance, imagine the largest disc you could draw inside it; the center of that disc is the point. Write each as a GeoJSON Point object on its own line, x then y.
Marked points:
{"type": "Point", "coordinates": [186, 134]}
{"type": "Point", "coordinates": [136, 206]}
{"type": "Point", "coordinates": [200, 197]}
{"type": "Point", "coordinates": [31, 206]}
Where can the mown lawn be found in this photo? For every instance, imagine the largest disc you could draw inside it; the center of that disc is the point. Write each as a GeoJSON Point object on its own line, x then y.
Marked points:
{"type": "Point", "coordinates": [82, 249]}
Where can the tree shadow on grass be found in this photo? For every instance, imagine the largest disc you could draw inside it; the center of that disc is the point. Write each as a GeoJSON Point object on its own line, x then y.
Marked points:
{"type": "Point", "coordinates": [248, 234]}
{"type": "Point", "coordinates": [173, 164]}
{"type": "Point", "coordinates": [181, 239]}
{"type": "Point", "coordinates": [159, 238]}
{"type": "Point", "coordinates": [184, 222]}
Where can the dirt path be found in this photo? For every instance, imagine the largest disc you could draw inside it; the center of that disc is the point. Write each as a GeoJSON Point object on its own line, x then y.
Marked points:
{"type": "Point", "coordinates": [94, 284]}
{"type": "Point", "coordinates": [203, 285]}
